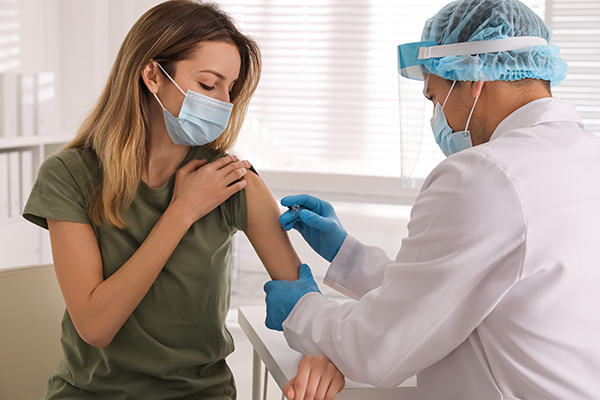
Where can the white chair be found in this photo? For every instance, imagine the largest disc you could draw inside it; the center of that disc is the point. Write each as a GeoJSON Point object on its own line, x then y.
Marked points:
{"type": "Point", "coordinates": [31, 309]}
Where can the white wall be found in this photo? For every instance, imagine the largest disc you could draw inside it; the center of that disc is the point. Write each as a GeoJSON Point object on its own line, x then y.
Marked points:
{"type": "Point", "coordinates": [77, 40]}
{"type": "Point", "coordinates": [90, 33]}
{"type": "Point", "coordinates": [38, 35]}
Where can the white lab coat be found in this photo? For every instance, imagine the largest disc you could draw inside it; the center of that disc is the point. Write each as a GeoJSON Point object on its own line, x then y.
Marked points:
{"type": "Point", "coordinates": [495, 293]}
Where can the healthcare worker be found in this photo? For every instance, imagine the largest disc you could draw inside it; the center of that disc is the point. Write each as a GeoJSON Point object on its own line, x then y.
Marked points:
{"type": "Point", "coordinates": [494, 293]}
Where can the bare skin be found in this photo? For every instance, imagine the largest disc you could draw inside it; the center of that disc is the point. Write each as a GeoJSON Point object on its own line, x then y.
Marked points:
{"type": "Point", "coordinates": [99, 307]}
{"type": "Point", "coordinates": [317, 379]}
{"type": "Point", "coordinates": [497, 100]}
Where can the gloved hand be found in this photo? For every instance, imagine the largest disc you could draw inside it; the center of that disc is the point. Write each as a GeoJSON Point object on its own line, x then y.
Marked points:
{"type": "Point", "coordinates": [282, 296]}
{"type": "Point", "coordinates": [316, 220]}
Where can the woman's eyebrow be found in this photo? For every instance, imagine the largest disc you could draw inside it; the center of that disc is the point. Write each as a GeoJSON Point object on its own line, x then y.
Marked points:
{"type": "Point", "coordinates": [217, 74]}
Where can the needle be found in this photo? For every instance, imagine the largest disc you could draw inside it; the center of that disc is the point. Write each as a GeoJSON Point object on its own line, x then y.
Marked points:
{"type": "Point", "coordinates": [295, 208]}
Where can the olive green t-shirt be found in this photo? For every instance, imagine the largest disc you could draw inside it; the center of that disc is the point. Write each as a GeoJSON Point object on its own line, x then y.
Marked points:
{"type": "Point", "coordinates": [174, 344]}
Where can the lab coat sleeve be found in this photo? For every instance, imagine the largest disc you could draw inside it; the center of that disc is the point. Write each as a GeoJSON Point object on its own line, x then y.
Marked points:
{"type": "Point", "coordinates": [463, 252]}
{"type": "Point", "coordinates": [357, 268]}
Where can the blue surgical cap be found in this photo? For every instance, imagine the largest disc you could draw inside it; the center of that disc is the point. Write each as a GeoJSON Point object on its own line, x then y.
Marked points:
{"type": "Point", "coordinates": [474, 20]}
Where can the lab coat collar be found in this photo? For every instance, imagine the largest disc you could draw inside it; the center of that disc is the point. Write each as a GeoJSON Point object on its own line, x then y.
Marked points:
{"type": "Point", "coordinates": [548, 109]}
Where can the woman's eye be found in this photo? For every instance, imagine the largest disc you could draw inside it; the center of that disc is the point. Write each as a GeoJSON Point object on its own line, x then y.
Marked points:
{"type": "Point", "coordinates": [205, 87]}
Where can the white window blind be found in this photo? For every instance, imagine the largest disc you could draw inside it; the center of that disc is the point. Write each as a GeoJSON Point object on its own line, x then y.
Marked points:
{"type": "Point", "coordinates": [9, 35]}
{"type": "Point", "coordinates": [329, 90]}
{"type": "Point", "coordinates": [329, 86]}
{"type": "Point", "coordinates": [576, 28]}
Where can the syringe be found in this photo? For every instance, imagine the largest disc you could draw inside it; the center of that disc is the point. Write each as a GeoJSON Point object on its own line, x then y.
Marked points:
{"type": "Point", "coordinates": [296, 208]}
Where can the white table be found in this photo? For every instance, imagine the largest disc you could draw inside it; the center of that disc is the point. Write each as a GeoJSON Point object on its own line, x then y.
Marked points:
{"type": "Point", "coordinates": [271, 348]}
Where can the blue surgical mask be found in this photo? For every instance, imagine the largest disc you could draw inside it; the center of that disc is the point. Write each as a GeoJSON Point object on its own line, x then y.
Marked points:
{"type": "Point", "coordinates": [449, 141]}
{"type": "Point", "coordinates": [201, 119]}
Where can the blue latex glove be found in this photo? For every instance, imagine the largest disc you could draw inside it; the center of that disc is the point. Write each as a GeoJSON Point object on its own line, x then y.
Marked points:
{"type": "Point", "coordinates": [316, 220]}
{"type": "Point", "coordinates": [282, 296]}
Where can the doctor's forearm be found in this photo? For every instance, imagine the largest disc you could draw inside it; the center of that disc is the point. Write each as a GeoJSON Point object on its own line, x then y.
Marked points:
{"type": "Point", "coordinates": [357, 268]}
{"type": "Point", "coordinates": [321, 327]}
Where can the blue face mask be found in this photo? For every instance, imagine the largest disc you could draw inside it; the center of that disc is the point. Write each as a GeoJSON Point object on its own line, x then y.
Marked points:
{"type": "Point", "coordinates": [201, 119]}
{"type": "Point", "coordinates": [449, 141]}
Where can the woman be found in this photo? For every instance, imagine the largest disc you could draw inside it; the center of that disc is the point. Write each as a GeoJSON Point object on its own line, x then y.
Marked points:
{"type": "Point", "coordinates": [141, 208]}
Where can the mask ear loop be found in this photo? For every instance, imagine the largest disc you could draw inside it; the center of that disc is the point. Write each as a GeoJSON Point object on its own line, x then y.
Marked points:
{"type": "Point", "coordinates": [159, 102]}
{"type": "Point", "coordinates": [168, 76]}
{"type": "Point", "coordinates": [448, 95]}
{"type": "Point", "coordinates": [471, 114]}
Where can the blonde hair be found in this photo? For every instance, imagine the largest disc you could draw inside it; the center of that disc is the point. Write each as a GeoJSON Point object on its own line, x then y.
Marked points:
{"type": "Point", "coordinates": [116, 129]}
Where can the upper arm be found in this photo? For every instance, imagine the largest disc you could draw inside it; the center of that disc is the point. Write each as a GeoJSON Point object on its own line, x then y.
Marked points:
{"type": "Point", "coordinates": [77, 263]}
{"type": "Point", "coordinates": [268, 238]}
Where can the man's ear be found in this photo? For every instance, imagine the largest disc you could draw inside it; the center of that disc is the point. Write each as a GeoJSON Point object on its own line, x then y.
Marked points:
{"type": "Point", "coordinates": [476, 88]}
{"type": "Point", "coordinates": [149, 76]}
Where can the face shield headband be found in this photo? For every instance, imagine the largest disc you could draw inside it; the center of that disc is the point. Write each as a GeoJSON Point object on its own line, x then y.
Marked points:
{"type": "Point", "coordinates": [413, 56]}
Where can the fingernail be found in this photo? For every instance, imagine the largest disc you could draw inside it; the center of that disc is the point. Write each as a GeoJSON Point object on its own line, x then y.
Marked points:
{"type": "Point", "coordinates": [235, 158]}
{"type": "Point", "coordinates": [248, 164]}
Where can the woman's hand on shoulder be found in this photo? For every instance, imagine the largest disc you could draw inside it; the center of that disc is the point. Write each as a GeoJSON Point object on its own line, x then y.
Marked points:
{"type": "Point", "coordinates": [317, 379]}
{"type": "Point", "coordinates": [201, 187]}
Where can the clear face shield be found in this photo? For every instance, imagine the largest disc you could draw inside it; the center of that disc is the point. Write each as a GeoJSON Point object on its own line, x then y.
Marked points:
{"type": "Point", "coordinates": [419, 151]}
{"type": "Point", "coordinates": [417, 146]}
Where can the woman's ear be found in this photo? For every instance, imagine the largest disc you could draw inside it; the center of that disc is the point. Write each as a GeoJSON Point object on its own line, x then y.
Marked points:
{"type": "Point", "coordinates": [149, 76]}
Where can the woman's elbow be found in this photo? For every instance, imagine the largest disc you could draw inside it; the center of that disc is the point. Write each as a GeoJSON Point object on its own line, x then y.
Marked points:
{"type": "Point", "coordinates": [95, 336]}
{"type": "Point", "coordinates": [99, 343]}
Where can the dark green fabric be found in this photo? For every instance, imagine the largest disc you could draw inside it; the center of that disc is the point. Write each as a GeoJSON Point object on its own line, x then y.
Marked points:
{"type": "Point", "coordinates": [174, 344]}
